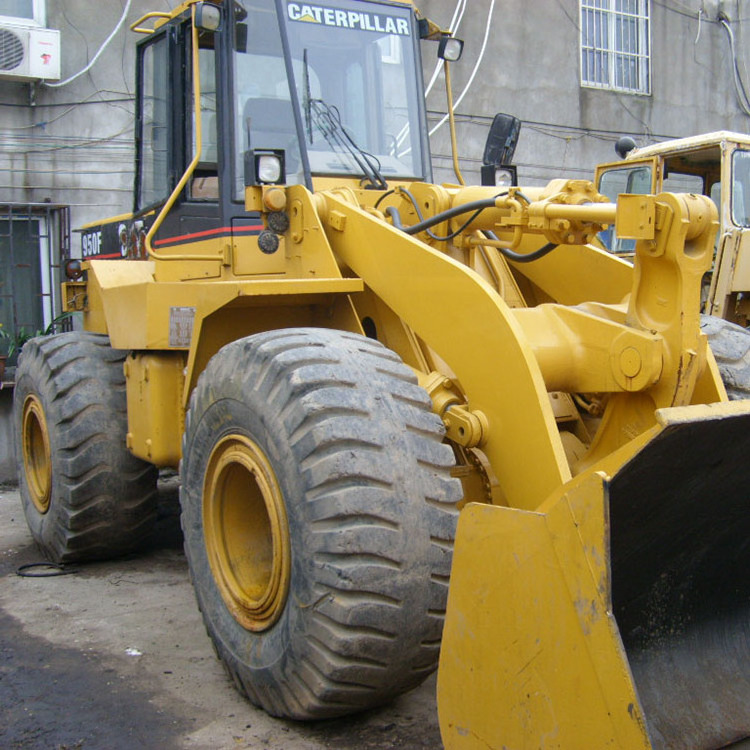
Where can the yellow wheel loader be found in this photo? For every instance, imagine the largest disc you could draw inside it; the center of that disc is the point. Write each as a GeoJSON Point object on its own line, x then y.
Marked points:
{"type": "Point", "coordinates": [353, 367]}
{"type": "Point", "coordinates": [716, 165]}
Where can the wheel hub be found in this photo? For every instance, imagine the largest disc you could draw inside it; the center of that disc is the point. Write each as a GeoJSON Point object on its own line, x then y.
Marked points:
{"type": "Point", "coordinates": [37, 460]}
{"type": "Point", "coordinates": [246, 532]}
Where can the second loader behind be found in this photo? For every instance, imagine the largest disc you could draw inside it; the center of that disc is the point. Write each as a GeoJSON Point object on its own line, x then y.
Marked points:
{"type": "Point", "coordinates": [345, 360]}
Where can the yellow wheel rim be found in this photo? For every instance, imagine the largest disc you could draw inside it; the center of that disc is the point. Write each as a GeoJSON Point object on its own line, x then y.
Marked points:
{"type": "Point", "coordinates": [37, 460]}
{"type": "Point", "coordinates": [246, 533]}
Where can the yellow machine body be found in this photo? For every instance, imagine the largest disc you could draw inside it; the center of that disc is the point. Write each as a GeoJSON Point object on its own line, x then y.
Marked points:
{"type": "Point", "coordinates": [598, 594]}
{"type": "Point", "coordinates": [532, 654]}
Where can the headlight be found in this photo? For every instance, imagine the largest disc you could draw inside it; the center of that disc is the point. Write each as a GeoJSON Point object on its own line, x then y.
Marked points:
{"type": "Point", "coordinates": [268, 168]}
{"type": "Point", "coordinates": [264, 167]}
{"type": "Point", "coordinates": [207, 17]}
{"type": "Point", "coordinates": [499, 176]}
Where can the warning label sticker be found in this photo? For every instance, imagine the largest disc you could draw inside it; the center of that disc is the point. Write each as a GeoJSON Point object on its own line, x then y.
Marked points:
{"type": "Point", "coordinates": [181, 326]}
{"type": "Point", "coordinates": [348, 19]}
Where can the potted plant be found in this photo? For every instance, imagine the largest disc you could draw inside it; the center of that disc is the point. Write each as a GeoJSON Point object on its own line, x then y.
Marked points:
{"type": "Point", "coordinates": [14, 341]}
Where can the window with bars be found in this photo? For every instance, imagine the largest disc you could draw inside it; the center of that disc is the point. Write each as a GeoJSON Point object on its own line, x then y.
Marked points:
{"type": "Point", "coordinates": [34, 238]}
{"type": "Point", "coordinates": [616, 45]}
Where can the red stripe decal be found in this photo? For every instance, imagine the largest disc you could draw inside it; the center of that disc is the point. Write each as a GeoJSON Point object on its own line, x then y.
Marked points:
{"type": "Point", "coordinates": [210, 232]}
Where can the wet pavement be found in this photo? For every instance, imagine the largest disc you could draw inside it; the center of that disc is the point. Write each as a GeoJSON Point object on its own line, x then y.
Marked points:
{"type": "Point", "coordinates": [115, 656]}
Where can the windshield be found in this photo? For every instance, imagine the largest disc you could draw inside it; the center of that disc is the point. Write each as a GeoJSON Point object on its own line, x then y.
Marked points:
{"type": "Point", "coordinates": [354, 68]}
{"type": "Point", "coordinates": [264, 118]}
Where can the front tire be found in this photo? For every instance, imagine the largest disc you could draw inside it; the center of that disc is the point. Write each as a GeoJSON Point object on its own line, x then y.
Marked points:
{"type": "Point", "coordinates": [319, 516]}
{"type": "Point", "coordinates": [730, 344]}
{"type": "Point", "coordinates": [85, 497]}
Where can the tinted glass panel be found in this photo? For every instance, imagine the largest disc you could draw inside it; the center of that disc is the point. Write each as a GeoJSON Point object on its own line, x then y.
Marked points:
{"type": "Point", "coordinates": [154, 181]}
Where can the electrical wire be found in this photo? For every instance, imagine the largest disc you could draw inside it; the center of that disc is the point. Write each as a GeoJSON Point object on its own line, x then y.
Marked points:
{"type": "Point", "coordinates": [547, 127]}
{"type": "Point", "coordinates": [698, 35]}
{"type": "Point", "coordinates": [96, 56]}
{"type": "Point", "coordinates": [122, 96]}
{"type": "Point", "coordinates": [79, 172]}
{"type": "Point", "coordinates": [88, 142]}
{"type": "Point", "coordinates": [739, 86]}
{"type": "Point", "coordinates": [71, 108]}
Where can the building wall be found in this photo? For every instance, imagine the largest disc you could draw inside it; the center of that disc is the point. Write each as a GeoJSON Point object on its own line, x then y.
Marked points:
{"type": "Point", "coordinates": [530, 68]}
{"type": "Point", "coordinates": [74, 144]}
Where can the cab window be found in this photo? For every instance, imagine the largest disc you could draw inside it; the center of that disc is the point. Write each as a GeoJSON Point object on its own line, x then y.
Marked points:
{"type": "Point", "coordinates": [153, 124]}
{"type": "Point", "coordinates": [741, 188]}
{"type": "Point", "coordinates": [633, 180]}
{"type": "Point", "coordinates": [204, 185]}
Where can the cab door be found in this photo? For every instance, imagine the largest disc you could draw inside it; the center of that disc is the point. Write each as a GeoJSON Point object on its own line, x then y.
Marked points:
{"type": "Point", "coordinates": [729, 295]}
{"type": "Point", "coordinates": [166, 145]}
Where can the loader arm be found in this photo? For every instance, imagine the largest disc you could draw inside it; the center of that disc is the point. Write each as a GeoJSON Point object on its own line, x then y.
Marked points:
{"type": "Point", "coordinates": [474, 331]}
{"type": "Point", "coordinates": [648, 355]}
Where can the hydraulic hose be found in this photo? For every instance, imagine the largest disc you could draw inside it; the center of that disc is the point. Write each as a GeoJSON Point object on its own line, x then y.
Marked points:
{"type": "Point", "coordinates": [522, 257]}
{"type": "Point", "coordinates": [441, 217]}
{"type": "Point", "coordinates": [475, 206]}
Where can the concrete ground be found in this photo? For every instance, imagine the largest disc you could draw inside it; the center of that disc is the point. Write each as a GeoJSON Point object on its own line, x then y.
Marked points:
{"type": "Point", "coordinates": [115, 656]}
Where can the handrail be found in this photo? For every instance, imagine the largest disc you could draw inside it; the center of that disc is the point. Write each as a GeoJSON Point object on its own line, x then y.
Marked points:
{"type": "Point", "coordinates": [452, 121]}
{"type": "Point", "coordinates": [136, 25]}
{"type": "Point", "coordinates": [191, 167]}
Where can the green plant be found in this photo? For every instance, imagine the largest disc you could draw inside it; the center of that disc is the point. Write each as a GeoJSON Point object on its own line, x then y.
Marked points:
{"type": "Point", "coordinates": [16, 341]}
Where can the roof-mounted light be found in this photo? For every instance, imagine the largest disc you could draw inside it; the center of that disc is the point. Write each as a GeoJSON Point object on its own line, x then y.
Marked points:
{"type": "Point", "coordinates": [450, 48]}
{"type": "Point", "coordinates": [207, 17]}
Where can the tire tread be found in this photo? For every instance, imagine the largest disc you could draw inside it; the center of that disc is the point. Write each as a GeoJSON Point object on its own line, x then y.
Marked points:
{"type": "Point", "coordinates": [103, 498]}
{"type": "Point", "coordinates": [366, 445]}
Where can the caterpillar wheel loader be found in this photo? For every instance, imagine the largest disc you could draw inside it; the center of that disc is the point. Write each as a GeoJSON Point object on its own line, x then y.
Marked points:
{"type": "Point", "coordinates": [413, 422]}
{"type": "Point", "coordinates": [717, 165]}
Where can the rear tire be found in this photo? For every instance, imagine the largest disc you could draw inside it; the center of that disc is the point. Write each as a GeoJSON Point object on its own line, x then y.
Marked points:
{"type": "Point", "coordinates": [85, 497]}
{"type": "Point", "coordinates": [319, 517]}
{"type": "Point", "coordinates": [730, 344]}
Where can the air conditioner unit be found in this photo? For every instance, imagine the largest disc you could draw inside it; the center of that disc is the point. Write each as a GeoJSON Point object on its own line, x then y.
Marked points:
{"type": "Point", "coordinates": [28, 54]}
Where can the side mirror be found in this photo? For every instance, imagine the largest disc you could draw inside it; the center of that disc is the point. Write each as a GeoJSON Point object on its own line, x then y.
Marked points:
{"type": "Point", "coordinates": [501, 140]}
{"type": "Point", "coordinates": [498, 151]}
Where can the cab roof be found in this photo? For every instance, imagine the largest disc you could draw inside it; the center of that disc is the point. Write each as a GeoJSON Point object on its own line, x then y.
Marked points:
{"type": "Point", "coordinates": [689, 144]}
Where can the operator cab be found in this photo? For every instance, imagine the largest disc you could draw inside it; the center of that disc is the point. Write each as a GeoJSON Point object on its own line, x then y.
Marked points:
{"type": "Point", "coordinates": [713, 164]}
{"type": "Point", "coordinates": [334, 89]}
{"type": "Point", "coordinates": [287, 93]}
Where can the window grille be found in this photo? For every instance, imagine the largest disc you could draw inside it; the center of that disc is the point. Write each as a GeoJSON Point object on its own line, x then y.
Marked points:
{"type": "Point", "coordinates": [34, 239]}
{"type": "Point", "coordinates": [616, 45]}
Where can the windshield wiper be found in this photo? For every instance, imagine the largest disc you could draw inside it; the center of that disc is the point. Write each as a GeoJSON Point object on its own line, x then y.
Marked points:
{"type": "Point", "coordinates": [327, 120]}
{"type": "Point", "coordinates": [307, 99]}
